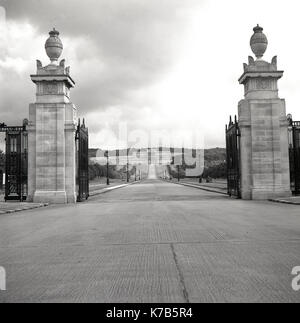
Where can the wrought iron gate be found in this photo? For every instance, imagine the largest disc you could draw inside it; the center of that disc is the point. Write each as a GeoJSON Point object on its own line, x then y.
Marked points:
{"type": "Point", "coordinates": [82, 146]}
{"type": "Point", "coordinates": [294, 152]}
{"type": "Point", "coordinates": [233, 158]}
{"type": "Point", "coordinates": [16, 162]}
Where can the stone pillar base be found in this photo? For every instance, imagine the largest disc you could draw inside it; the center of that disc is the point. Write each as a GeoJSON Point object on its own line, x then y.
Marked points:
{"type": "Point", "coordinates": [258, 194]}
{"type": "Point", "coordinates": [246, 195]}
{"type": "Point", "coordinates": [53, 197]}
{"type": "Point", "coordinates": [72, 198]}
{"type": "Point", "coordinates": [29, 198]}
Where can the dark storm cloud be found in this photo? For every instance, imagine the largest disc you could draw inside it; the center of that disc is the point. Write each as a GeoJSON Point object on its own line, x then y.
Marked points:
{"type": "Point", "coordinates": [135, 42]}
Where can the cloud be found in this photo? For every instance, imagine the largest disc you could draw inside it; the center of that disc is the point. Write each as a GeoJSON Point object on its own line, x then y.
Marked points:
{"type": "Point", "coordinates": [118, 47]}
{"type": "Point", "coordinates": [155, 64]}
{"type": "Point", "coordinates": [117, 50]}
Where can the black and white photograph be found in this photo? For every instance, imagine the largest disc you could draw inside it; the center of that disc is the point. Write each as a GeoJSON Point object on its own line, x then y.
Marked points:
{"type": "Point", "coordinates": [149, 154]}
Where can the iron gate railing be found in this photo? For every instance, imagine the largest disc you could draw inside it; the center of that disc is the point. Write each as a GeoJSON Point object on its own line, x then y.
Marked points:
{"type": "Point", "coordinates": [16, 162]}
{"type": "Point", "coordinates": [233, 158]}
{"type": "Point", "coordinates": [294, 153]}
{"type": "Point", "coordinates": [82, 146]}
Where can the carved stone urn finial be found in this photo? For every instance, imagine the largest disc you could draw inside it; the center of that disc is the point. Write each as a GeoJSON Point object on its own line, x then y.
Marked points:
{"type": "Point", "coordinates": [54, 46]}
{"type": "Point", "coordinates": [259, 42]}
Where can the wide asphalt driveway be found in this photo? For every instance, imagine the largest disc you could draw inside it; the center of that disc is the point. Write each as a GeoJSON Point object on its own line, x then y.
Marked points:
{"type": "Point", "coordinates": [152, 242]}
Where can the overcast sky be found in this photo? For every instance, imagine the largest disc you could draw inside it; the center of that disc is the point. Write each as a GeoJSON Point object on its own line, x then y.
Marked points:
{"type": "Point", "coordinates": [169, 65]}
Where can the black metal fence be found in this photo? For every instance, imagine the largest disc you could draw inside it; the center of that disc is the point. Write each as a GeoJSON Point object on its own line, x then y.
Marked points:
{"type": "Point", "coordinates": [16, 162]}
{"type": "Point", "coordinates": [233, 158]}
{"type": "Point", "coordinates": [294, 152]}
{"type": "Point", "coordinates": [82, 146]}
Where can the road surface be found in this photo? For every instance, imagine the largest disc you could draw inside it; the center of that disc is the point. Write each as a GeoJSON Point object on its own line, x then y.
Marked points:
{"type": "Point", "coordinates": [152, 242]}
{"type": "Point", "coordinates": [152, 172]}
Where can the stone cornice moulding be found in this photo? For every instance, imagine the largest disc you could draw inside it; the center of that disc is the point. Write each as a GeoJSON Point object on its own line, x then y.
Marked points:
{"type": "Point", "coordinates": [50, 78]}
{"type": "Point", "coordinates": [263, 74]}
{"type": "Point", "coordinates": [70, 126]}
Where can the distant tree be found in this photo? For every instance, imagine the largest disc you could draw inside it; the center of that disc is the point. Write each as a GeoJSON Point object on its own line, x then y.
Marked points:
{"type": "Point", "coordinates": [173, 171]}
{"type": "Point", "coordinates": [2, 160]}
{"type": "Point", "coordinates": [216, 171]}
{"type": "Point", "coordinates": [2, 155]}
{"type": "Point", "coordinates": [96, 171]}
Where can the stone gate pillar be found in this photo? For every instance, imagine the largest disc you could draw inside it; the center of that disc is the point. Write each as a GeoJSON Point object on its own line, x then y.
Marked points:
{"type": "Point", "coordinates": [52, 126]}
{"type": "Point", "coordinates": [264, 127]}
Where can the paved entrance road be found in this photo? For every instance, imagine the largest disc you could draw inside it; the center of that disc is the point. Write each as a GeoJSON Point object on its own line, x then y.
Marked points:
{"type": "Point", "coordinates": [152, 242]}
